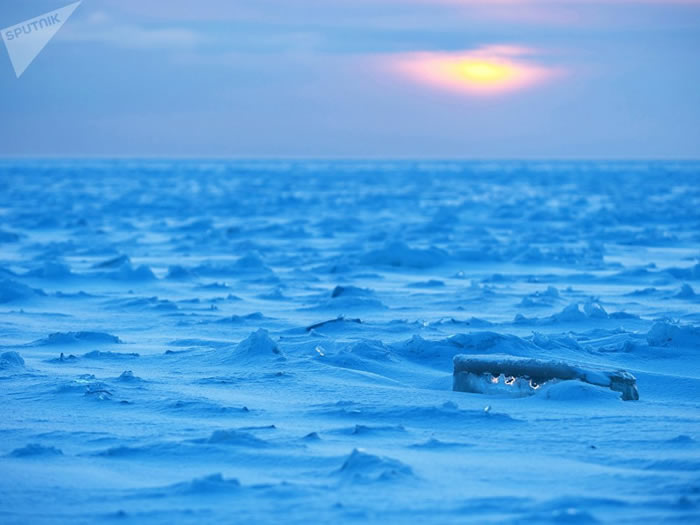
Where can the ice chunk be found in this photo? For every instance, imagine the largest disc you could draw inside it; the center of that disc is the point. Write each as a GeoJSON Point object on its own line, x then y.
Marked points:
{"type": "Point", "coordinates": [69, 338]}
{"type": "Point", "coordinates": [473, 373]}
{"type": "Point", "coordinates": [11, 360]}
{"type": "Point", "coordinates": [665, 333]}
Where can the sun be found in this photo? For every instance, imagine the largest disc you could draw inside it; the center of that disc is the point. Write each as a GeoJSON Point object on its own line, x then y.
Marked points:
{"type": "Point", "coordinates": [481, 72]}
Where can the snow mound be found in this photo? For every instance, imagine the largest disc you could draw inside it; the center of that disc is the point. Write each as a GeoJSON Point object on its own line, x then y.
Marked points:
{"type": "Point", "coordinates": [250, 264]}
{"type": "Point", "coordinates": [130, 273]}
{"type": "Point", "coordinates": [72, 338]}
{"type": "Point", "coordinates": [98, 390]}
{"type": "Point", "coordinates": [212, 484]}
{"type": "Point", "coordinates": [681, 439]}
{"type": "Point", "coordinates": [127, 376]}
{"type": "Point", "coordinates": [62, 359]}
{"type": "Point", "coordinates": [6, 236]}
{"type": "Point", "coordinates": [11, 361]}
{"type": "Point", "coordinates": [473, 322]}
{"type": "Point", "coordinates": [555, 342]}
{"type": "Point", "coordinates": [688, 274]}
{"type": "Point", "coordinates": [351, 291]}
{"type": "Point", "coordinates": [444, 350]}
{"type": "Point", "coordinates": [399, 254]}
{"type": "Point", "coordinates": [374, 430]}
{"type": "Point", "coordinates": [528, 254]}
{"type": "Point", "coordinates": [436, 444]}
{"type": "Point", "coordinates": [240, 319]}
{"type": "Point", "coordinates": [375, 350]}
{"type": "Point", "coordinates": [35, 450]}
{"type": "Point", "coordinates": [481, 341]}
{"type": "Point", "coordinates": [480, 373]}
{"type": "Point", "coordinates": [576, 312]}
{"type": "Point", "coordinates": [87, 385]}
{"type": "Point", "coordinates": [51, 270]}
{"type": "Point", "coordinates": [665, 333]}
{"type": "Point", "coordinates": [363, 467]}
{"type": "Point", "coordinates": [112, 263]}
{"type": "Point", "coordinates": [686, 292]}
{"type": "Point", "coordinates": [372, 360]}
{"type": "Point", "coordinates": [431, 283]}
{"type": "Point", "coordinates": [98, 354]}
{"type": "Point", "coordinates": [79, 384]}
{"type": "Point", "coordinates": [177, 272]}
{"type": "Point", "coordinates": [256, 346]}
{"type": "Point", "coordinates": [200, 407]}
{"type": "Point", "coordinates": [13, 291]}
{"type": "Point", "coordinates": [121, 269]}
{"type": "Point", "coordinates": [546, 298]}
{"type": "Point", "coordinates": [350, 298]}
{"type": "Point", "coordinates": [143, 303]}
{"type": "Point", "coordinates": [233, 438]}
{"type": "Point", "coordinates": [352, 303]}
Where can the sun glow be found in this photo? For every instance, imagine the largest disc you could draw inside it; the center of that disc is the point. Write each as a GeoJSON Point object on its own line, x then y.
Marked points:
{"type": "Point", "coordinates": [488, 70]}
{"type": "Point", "coordinates": [482, 72]}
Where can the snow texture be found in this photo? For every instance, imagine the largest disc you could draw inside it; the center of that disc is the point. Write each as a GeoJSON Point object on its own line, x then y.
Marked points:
{"type": "Point", "coordinates": [212, 341]}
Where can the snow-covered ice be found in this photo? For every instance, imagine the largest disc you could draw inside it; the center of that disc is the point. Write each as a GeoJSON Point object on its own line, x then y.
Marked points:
{"type": "Point", "coordinates": [214, 341]}
{"type": "Point", "coordinates": [476, 373]}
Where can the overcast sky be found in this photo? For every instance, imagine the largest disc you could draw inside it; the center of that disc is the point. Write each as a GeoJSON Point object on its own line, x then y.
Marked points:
{"type": "Point", "coordinates": [358, 78]}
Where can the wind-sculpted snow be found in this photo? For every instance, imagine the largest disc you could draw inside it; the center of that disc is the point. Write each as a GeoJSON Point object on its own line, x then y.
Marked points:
{"type": "Point", "coordinates": [214, 341]}
{"type": "Point", "coordinates": [13, 291]}
{"type": "Point", "coordinates": [77, 338]}
{"type": "Point", "coordinates": [35, 450]}
{"type": "Point", "coordinates": [256, 347]}
{"type": "Point", "coordinates": [363, 467]}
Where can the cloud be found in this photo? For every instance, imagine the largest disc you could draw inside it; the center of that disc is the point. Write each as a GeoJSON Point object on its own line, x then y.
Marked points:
{"type": "Point", "coordinates": [100, 27]}
{"type": "Point", "coordinates": [540, 2]}
{"type": "Point", "coordinates": [488, 70]}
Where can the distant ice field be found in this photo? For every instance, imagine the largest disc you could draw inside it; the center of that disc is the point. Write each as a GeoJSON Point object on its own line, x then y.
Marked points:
{"type": "Point", "coordinates": [264, 341]}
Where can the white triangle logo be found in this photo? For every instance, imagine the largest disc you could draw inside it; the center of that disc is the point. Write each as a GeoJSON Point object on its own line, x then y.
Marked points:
{"type": "Point", "coordinates": [24, 41]}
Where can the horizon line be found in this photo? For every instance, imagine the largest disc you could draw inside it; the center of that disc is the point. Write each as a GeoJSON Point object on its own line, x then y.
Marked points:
{"type": "Point", "coordinates": [340, 158]}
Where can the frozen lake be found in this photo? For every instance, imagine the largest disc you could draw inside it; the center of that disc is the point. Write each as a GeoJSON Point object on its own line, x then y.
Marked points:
{"type": "Point", "coordinates": [212, 341]}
